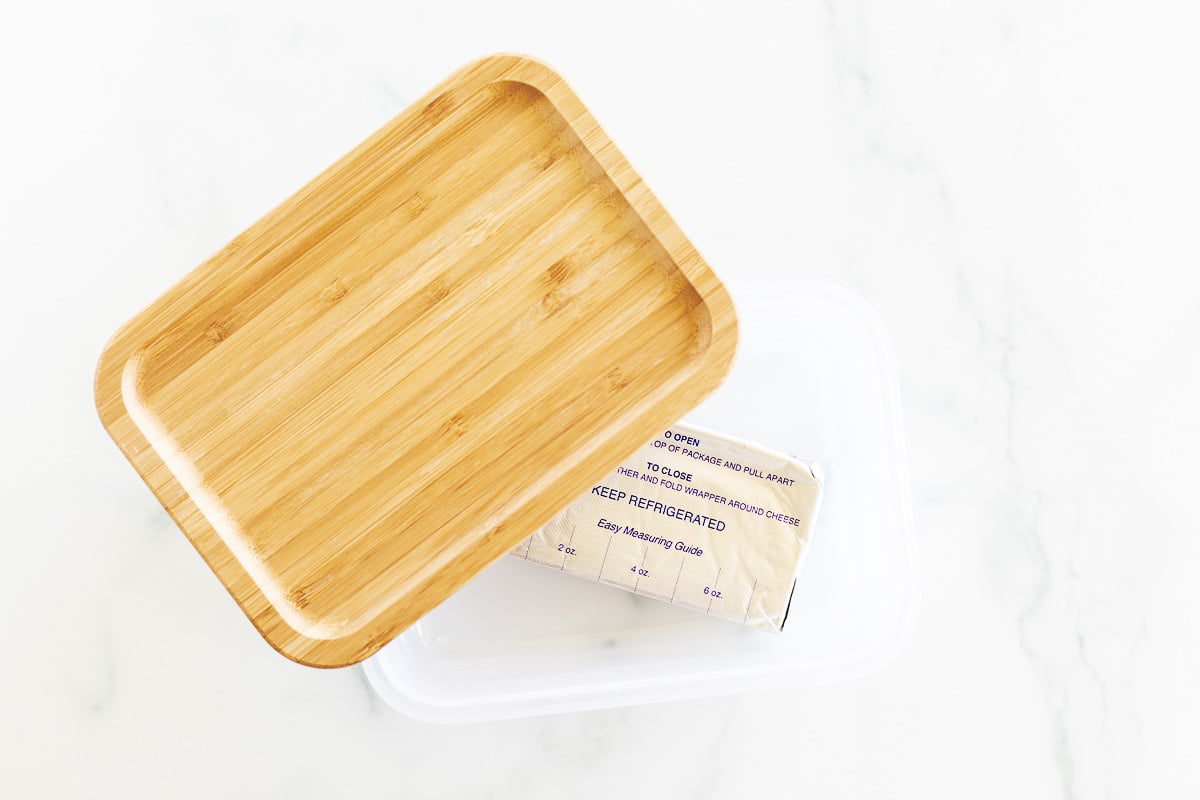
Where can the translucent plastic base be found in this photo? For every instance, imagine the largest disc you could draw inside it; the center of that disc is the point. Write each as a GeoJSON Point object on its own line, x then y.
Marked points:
{"type": "Point", "coordinates": [814, 377]}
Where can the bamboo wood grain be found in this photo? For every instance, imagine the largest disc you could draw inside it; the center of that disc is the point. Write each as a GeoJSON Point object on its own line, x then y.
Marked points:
{"type": "Point", "coordinates": [388, 381]}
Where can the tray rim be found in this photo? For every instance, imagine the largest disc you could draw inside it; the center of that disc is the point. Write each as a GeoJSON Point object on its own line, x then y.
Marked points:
{"type": "Point", "coordinates": [709, 368]}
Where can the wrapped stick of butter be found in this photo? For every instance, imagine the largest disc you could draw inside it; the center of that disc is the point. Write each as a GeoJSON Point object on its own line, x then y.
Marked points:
{"type": "Point", "coordinates": [694, 518]}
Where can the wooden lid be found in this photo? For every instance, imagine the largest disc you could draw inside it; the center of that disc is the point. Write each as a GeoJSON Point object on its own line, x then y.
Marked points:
{"type": "Point", "coordinates": [414, 362]}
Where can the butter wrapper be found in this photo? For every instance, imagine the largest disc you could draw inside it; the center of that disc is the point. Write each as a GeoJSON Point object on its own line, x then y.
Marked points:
{"type": "Point", "coordinates": [696, 519]}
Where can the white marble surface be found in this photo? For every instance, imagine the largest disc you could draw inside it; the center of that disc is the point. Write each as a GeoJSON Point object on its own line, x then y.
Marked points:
{"type": "Point", "coordinates": [1012, 185]}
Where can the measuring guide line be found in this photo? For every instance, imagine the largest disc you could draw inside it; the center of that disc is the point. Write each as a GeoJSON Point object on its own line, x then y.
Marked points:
{"type": "Point", "coordinates": [528, 546]}
{"type": "Point", "coordinates": [753, 588]}
{"type": "Point", "coordinates": [678, 575]}
{"type": "Point", "coordinates": [713, 596]}
{"type": "Point", "coordinates": [642, 568]}
{"type": "Point", "coordinates": [567, 551]}
{"type": "Point", "coordinates": [600, 574]}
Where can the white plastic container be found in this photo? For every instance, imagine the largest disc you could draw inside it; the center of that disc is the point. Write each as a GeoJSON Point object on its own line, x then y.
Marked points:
{"type": "Point", "coordinates": [814, 376]}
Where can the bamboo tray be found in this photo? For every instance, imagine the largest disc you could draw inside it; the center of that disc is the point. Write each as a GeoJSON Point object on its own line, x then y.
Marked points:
{"type": "Point", "coordinates": [388, 381]}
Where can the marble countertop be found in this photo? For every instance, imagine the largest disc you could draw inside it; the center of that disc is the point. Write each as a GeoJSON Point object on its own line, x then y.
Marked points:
{"type": "Point", "coordinates": [1012, 186]}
